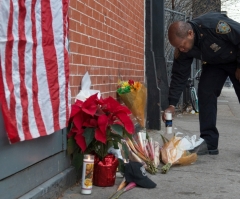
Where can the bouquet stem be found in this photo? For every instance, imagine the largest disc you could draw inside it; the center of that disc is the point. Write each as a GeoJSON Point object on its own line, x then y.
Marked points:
{"type": "Point", "coordinates": [166, 168]}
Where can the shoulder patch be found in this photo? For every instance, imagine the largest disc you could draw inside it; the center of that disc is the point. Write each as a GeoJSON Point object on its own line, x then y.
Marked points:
{"type": "Point", "coordinates": [176, 53]}
{"type": "Point", "coordinates": [223, 27]}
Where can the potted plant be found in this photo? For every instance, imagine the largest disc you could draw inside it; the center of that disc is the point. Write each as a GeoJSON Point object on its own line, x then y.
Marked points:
{"type": "Point", "coordinates": [95, 126]}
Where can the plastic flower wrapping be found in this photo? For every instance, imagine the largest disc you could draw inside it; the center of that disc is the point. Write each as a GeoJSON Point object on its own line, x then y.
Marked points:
{"type": "Point", "coordinates": [134, 95]}
{"type": "Point", "coordinates": [143, 149]}
{"type": "Point", "coordinates": [173, 152]}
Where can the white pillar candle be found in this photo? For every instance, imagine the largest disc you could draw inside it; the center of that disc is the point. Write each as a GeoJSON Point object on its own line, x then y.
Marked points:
{"type": "Point", "coordinates": [87, 174]}
{"type": "Point", "coordinates": [168, 123]}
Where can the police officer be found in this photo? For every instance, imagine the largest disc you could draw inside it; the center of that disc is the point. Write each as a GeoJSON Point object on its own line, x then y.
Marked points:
{"type": "Point", "coordinates": [215, 39]}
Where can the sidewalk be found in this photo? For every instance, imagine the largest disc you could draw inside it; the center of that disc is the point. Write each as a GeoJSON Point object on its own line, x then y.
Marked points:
{"type": "Point", "coordinates": [211, 177]}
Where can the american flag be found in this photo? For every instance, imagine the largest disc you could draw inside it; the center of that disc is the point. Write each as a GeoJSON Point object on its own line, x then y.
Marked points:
{"type": "Point", "coordinates": [34, 67]}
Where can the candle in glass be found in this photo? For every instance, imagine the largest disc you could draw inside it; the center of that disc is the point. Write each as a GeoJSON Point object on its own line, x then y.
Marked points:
{"type": "Point", "coordinates": [87, 174]}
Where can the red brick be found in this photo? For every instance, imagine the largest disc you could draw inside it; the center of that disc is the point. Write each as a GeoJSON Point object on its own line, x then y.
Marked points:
{"type": "Point", "coordinates": [102, 36]}
{"type": "Point", "coordinates": [85, 40]}
{"type": "Point", "coordinates": [102, 53]}
{"type": "Point", "coordinates": [81, 49]}
{"type": "Point", "coordinates": [96, 15]}
{"type": "Point", "coordinates": [76, 80]}
{"type": "Point", "coordinates": [116, 40]}
{"type": "Point", "coordinates": [73, 4]}
{"type": "Point", "coordinates": [99, 62]}
{"type": "Point", "coordinates": [77, 58]}
{"type": "Point", "coordinates": [93, 80]}
{"type": "Point", "coordinates": [98, 7]}
{"type": "Point", "coordinates": [85, 1]}
{"type": "Point", "coordinates": [72, 25]}
{"type": "Point", "coordinates": [80, 6]}
{"type": "Point", "coordinates": [89, 31]}
{"type": "Point", "coordinates": [84, 19]}
{"type": "Point", "coordinates": [73, 47]}
{"type": "Point", "coordinates": [95, 52]}
{"type": "Point", "coordinates": [88, 11]}
{"type": "Point", "coordinates": [88, 50]}
{"type": "Point", "coordinates": [92, 23]}
{"type": "Point", "coordinates": [101, 18]}
{"type": "Point", "coordinates": [85, 60]}
{"type": "Point", "coordinates": [95, 33]}
{"type": "Point", "coordinates": [81, 70]}
{"type": "Point", "coordinates": [81, 27]}
{"type": "Point", "coordinates": [93, 61]}
{"type": "Point", "coordinates": [99, 26]}
{"type": "Point", "coordinates": [93, 42]}
{"type": "Point", "coordinates": [99, 44]}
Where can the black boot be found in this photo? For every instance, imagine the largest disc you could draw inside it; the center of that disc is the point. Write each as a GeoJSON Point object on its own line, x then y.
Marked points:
{"type": "Point", "coordinates": [202, 149]}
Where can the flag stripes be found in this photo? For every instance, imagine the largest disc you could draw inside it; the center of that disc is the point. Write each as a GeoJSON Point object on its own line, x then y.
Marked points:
{"type": "Point", "coordinates": [34, 69]}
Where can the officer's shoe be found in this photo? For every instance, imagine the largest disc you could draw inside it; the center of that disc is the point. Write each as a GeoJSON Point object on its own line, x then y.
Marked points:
{"type": "Point", "coordinates": [202, 149]}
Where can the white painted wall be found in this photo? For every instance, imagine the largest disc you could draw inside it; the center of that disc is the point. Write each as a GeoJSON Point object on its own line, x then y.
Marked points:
{"type": "Point", "coordinates": [233, 9]}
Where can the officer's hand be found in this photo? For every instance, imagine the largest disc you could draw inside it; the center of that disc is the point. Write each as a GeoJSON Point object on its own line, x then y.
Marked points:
{"type": "Point", "coordinates": [170, 109]}
{"type": "Point", "coordinates": [237, 74]}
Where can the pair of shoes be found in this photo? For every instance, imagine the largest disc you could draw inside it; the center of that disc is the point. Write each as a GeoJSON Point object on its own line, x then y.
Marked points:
{"type": "Point", "coordinates": [202, 149]}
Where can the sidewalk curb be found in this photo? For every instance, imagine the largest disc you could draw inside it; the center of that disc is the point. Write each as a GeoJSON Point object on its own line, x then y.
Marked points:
{"type": "Point", "coordinates": [54, 187]}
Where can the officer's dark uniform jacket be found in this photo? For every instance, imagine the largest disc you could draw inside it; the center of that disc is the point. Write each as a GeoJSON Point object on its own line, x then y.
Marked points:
{"type": "Point", "coordinates": [217, 41]}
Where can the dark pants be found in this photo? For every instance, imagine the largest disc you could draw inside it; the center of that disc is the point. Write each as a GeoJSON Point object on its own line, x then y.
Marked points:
{"type": "Point", "coordinates": [211, 83]}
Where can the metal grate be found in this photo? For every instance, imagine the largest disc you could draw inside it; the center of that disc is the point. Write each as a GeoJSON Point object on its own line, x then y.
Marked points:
{"type": "Point", "coordinates": [170, 17]}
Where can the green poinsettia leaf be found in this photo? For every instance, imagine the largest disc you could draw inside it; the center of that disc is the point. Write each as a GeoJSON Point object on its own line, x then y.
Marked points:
{"type": "Point", "coordinates": [118, 129]}
{"type": "Point", "coordinates": [89, 135]}
{"type": "Point", "coordinates": [121, 165]}
{"type": "Point", "coordinates": [115, 145]}
{"type": "Point", "coordinates": [125, 151]}
{"type": "Point", "coordinates": [71, 145]}
{"type": "Point", "coordinates": [69, 127]}
{"type": "Point", "coordinates": [126, 134]}
{"type": "Point", "coordinates": [77, 160]}
{"type": "Point", "coordinates": [115, 138]}
{"type": "Point", "coordinates": [110, 144]}
{"type": "Point", "coordinates": [147, 136]}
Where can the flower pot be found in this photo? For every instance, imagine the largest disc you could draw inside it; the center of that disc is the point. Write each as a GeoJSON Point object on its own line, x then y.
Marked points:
{"type": "Point", "coordinates": [104, 174]}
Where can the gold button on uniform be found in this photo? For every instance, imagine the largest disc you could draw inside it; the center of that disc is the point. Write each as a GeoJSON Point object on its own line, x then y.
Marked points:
{"type": "Point", "coordinates": [204, 62]}
{"type": "Point", "coordinates": [231, 52]}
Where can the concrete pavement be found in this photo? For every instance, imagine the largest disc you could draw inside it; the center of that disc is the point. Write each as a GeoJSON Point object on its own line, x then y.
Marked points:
{"type": "Point", "coordinates": [211, 177]}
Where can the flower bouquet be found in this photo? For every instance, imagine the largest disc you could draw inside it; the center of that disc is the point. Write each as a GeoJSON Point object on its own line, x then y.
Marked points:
{"type": "Point", "coordinates": [173, 152]}
{"type": "Point", "coordinates": [134, 95]}
{"type": "Point", "coordinates": [143, 149]}
{"type": "Point", "coordinates": [95, 126]}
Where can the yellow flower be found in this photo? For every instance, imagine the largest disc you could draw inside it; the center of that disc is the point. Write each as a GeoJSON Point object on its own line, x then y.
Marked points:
{"type": "Point", "coordinates": [125, 84]}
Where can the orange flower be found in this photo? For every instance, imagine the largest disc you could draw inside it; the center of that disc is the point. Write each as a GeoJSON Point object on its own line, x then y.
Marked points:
{"type": "Point", "coordinates": [137, 85]}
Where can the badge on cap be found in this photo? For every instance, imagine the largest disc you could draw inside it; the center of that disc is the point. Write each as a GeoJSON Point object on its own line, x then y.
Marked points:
{"type": "Point", "coordinates": [223, 28]}
{"type": "Point", "coordinates": [215, 47]}
{"type": "Point", "coordinates": [144, 173]}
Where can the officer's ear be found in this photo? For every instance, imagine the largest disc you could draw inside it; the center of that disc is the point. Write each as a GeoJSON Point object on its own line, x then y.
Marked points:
{"type": "Point", "coordinates": [190, 33]}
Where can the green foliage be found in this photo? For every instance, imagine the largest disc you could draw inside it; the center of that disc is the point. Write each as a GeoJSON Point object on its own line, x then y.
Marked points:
{"type": "Point", "coordinates": [89, 135]}
{"type": "Point", "coordinates": [121, 166]}
{"type": "Point", "coordinates": [125, 151]}
{"type": "Point", "coordinates": [126, 134]}
{"type": "Point", "coordinates": [77, 159]}
{"type": "Point", "coordinates": [123, 90]}
{"type": "Point", "coordinates": [118, 129]}
{"type": "Point", "coordinates": [71, 145]}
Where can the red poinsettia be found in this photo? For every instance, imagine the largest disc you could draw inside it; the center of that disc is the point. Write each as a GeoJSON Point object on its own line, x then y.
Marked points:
{"type": "Point", "coordinates": [96, 122]}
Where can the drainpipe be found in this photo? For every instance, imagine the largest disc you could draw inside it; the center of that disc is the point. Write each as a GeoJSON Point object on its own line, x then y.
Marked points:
{"type": "Point", "coordinates": [156, 71]}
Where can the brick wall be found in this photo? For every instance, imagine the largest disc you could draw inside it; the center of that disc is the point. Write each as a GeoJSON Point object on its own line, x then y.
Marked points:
{"type": "Point", "coordinates": [107, 40]}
